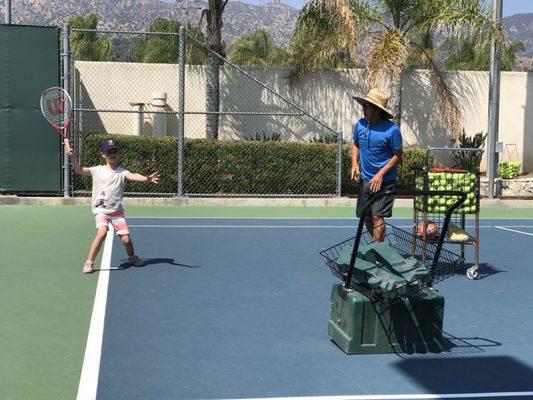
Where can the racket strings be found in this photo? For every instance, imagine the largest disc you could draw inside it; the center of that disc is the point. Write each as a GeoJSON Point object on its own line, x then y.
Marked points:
{"type": "Point", "coordinates": [56, 107]}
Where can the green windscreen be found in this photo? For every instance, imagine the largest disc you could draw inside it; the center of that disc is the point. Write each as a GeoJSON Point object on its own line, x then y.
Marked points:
{"type": "Point", "coordinates": [30, 156]}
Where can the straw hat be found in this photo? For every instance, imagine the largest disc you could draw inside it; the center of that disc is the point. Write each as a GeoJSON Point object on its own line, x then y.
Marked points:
{"type": "Point", "coordinates": [378, 98]}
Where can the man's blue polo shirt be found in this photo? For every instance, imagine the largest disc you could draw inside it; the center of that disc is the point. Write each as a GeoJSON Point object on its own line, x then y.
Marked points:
{"type": "Point", "coordinates": [376, 145]}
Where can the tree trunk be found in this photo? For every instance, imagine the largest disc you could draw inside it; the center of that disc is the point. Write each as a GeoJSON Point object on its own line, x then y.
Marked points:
{"type": "Point", "coordinates": [214, 42]}
{"type": "Point", "coordinates": [395, 102]}
{"type": "Point", "coordinates": [212, 96]}
{"type": "Point", "coordinates": [346, 59]}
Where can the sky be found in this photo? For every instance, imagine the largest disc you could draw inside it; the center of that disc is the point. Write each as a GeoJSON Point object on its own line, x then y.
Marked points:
{"type": "Point", "coordinates": [510, 7]}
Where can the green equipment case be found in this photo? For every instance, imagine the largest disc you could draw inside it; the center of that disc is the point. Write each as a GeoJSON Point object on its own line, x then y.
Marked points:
{"type": "Point", "coordinates": [411, 324]}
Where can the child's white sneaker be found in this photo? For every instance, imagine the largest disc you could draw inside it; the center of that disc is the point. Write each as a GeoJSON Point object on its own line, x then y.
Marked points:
{"type": "Point", "coordinates": [88, 267]}
{"type": "Point", "coordinates": [136, 261]}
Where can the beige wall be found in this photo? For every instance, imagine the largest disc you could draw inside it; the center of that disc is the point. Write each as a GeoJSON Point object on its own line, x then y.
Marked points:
{"type": "Point", "coordinates": [325, 94]}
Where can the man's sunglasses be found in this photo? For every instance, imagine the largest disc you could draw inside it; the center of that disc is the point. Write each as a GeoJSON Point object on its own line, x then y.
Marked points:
{"type": "Point", "coordinates": [369, 106]}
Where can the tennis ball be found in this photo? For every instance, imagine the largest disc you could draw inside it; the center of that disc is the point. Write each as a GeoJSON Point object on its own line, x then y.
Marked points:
{"type": "Point", "coordinates": [442, 201]}
{"type": "Point", "coordinates": [449, 187]}
{"type": "Point", "coordinates": [431, 200]}
{"type": "Point", "coordinates": [449, 176]}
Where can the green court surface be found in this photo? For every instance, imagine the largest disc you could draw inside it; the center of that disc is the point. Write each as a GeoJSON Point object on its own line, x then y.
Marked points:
{"type": "Point", "coordinates": [47, 302]}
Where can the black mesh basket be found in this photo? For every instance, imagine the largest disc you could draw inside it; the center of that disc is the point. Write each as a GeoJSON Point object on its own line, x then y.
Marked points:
{"type": "Point", "coordinates": [441, 265]}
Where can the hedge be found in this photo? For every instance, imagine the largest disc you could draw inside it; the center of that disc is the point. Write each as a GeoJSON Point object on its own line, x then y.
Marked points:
{"type": "Point", "coordinates": [237, 167]}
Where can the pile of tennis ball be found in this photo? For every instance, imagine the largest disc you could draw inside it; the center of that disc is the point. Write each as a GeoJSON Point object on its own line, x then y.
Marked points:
{"type": "Point", "coordinates": [460, 181]}
{"type": "Point", "coordinates": [509, 170]}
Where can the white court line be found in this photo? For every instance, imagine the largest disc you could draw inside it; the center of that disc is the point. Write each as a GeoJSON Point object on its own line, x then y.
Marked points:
{"type": "Point", "coordinates": [514, 226]}
{"type": "Point", "coordinates": [314, 218]}
{"type": "Point", "coordinates": [259, 218]}
{"type": "Point", "coordinates": [91, 363]}
{"type": "Point", "coordinates": [403, 396]}
{"type": "Point", "coordinates": [514, 230]}
{"type": "Point", "coordinates": [245, 226]}
{"type": "Point", "coordinates": [271, 226]}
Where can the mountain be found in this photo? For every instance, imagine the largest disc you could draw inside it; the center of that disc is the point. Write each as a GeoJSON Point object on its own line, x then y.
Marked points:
{"type": "Point", "coordinates": [239, 18]}
{"type": "Point", "coordinates": [520, 27]}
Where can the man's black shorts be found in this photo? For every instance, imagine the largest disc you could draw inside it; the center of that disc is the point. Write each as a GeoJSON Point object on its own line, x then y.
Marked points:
{"type": "Point", "coordinates": [382, 207]}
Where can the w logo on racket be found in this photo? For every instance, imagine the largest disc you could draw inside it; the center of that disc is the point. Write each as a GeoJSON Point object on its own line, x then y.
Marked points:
{"type": "Point", "coordinates": [56, 106]}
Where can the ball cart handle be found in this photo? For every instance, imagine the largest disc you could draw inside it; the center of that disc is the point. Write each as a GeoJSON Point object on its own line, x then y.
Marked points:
{"type": "Point", "coordinates": [366, 209]}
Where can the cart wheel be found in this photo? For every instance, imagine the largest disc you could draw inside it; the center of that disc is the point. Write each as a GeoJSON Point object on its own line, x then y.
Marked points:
{"type": "Point", "coordinates": [472, 273]}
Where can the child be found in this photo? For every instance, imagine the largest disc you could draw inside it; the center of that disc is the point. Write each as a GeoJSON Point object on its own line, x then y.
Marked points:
{"type": "Point", "coordinates": [108, 189]}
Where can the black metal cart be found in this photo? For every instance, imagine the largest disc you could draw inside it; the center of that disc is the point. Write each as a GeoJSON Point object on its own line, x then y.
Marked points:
{"type": "Point", "coordinates": [441, 263]}
{"type": "Point", "coordinates": [433, 209]}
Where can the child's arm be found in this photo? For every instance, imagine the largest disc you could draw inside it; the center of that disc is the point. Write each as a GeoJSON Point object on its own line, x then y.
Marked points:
{"type": "Point", "coordinates": [74, 161]}
{"type": "Point", "coordinates": [152, 178]}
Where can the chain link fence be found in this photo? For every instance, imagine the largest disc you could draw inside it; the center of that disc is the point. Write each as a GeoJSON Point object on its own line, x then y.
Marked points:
{"type": "Point", "coordinates": [209, 127]}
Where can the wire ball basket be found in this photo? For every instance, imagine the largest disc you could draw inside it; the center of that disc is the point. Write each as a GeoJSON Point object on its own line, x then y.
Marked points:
{"type": "Point", "coordinates": [440, 265]}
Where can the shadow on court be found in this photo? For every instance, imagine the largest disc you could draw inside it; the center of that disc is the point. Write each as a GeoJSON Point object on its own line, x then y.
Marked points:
{"type": "Point", "coordinates": [151, 261]}
{"type": "Point", "coordinates": [155, 261]}
{"type": "Point", "coordinates": [485, 270]}
{"type": "Point", "coordinates": [468, 374]}
{"type": "Point", "coordinates": [455, 347]}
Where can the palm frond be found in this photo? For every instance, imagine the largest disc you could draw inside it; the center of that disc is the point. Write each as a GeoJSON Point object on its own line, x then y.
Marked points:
{"type": "Point", "coordinates": [367, 13]}
{"type": "Point", "coordinates": [449, 111]}
{"type": "Point", "coordinates": [325, 35]}
{"type": "Point", "coordinates": [387, 52]}
{"type": "Point", "coordinates": [465, 19]}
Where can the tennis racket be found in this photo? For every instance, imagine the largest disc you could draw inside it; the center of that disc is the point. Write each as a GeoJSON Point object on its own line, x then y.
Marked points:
{"type": "Point", "coordinates": [56, 106]}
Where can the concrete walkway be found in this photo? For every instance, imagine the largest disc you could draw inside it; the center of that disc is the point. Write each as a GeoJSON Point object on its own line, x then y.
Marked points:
{"type": "Point", "coordinates": [241, 201]}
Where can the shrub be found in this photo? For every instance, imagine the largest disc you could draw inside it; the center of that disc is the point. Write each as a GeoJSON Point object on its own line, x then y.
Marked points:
{"type": "Point", "coordinates": [412, 156]}
{"type": "Point", "coordinates": [468, 160]}
{"type": "Point", "coordinates": [237, 167]}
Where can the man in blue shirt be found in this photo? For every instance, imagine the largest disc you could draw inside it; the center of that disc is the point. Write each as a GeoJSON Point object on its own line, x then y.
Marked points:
{"type": "Point", "coordinates": [377, 149]}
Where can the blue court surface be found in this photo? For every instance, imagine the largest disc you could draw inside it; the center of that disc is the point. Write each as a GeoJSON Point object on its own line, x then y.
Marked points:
{"type": "Point", "coordinates": [239, 308]}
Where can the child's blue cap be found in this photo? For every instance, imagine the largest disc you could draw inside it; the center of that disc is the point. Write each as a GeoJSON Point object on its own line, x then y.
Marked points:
{"type": "Point", "coordinates": [108, 144]}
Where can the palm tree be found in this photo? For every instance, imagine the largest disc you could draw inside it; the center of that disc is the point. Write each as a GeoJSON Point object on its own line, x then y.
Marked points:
{"type": "Point", "coordinates": [165, 48]}
{"type": "Point", "coordinates": [87, 46]}
{"type": "Point", "coordinates": [469, 56]}
{"type": "Point", "coordinates": [393, 29]}
{"type": "Point", "coordinates": [213, 38]}
{"type": "Point", "coordinates": [257, 49]}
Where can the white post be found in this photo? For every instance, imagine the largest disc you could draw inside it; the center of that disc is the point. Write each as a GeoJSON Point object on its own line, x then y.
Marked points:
{"type": "Point", "coordinates": [138, 118]}
{"type": "Point", "coordinates": [494, 104]}
{"type": "Point", "coordinates": [159, 102]}
{"type": "Point", "coordinates": [7, 10]}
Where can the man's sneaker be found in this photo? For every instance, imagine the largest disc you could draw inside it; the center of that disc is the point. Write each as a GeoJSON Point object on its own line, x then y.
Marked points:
{"type": "Point", "coordinates": [88, 267]}
{"type": "Point", "coordinates": [136, 261]}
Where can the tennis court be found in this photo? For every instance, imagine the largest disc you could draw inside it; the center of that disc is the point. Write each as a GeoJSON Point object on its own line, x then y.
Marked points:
{"type": "Point", "coordinates": [237, 307]}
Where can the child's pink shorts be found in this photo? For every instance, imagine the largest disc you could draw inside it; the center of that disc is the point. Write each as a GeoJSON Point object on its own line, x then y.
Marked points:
{"type": "Point", "coordinates": [116, 219]}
